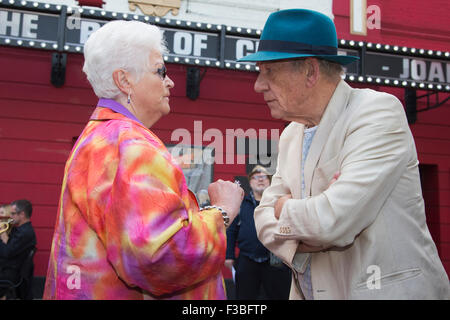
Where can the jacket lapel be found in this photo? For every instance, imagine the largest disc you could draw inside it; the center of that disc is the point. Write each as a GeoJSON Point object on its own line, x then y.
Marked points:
{"type": "Point", "coordinates": [294, 158]}
{"type": "Point", "coordinates": [334, 109]}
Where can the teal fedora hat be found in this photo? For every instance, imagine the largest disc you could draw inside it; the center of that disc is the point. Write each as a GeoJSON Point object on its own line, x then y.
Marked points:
{"type": "Point", "coordinates": [298, 33]}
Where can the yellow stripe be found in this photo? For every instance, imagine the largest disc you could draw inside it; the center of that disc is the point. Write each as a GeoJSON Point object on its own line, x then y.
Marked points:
{"type": "Point", "coordinates": [164, 236]}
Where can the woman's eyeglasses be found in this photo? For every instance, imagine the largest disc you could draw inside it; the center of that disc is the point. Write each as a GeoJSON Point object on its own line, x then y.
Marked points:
{"type": "Point", "coordinates": [162, 72]}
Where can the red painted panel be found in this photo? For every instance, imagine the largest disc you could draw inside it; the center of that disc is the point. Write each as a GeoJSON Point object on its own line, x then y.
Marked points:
{"type": "Point", "coordinates": [219, 108]}
{"type": "Point", "coordinates": [434, 146]}
{"type": "Point", "coordinates": [445, 232]}
{"type": "Point", "coordinates": [41, 259]}
{"type": "Point", "coordinates": [34, 64]}
{"type": "Point", "coordinates": [445, 251]}
{"type": "Point", "coordinates": [31, 174]}
{"type": "Point", "coordinates": [37, 110]}
{"type": "Point", "coordinates": [44, 194]}
{"type": "Point", "coordinates": [44, 216]}
{"type": "Point", "coordinates": [434, 158]}
{"type": "Point", "coordinates": [438, 116]}
{"type": "Point", "coordinates": [442, 200]}
{"type": "Point", "coordinates": [445, 214]}
{"type": "Point", "coordinates": [403, 23]}
{"type": "Point", "coordinates": [91, 3]}
{"type": "Point", "coordinates": [444, 179]}
{"type": "Point", "coordinates": [44, 238]}
{"type": "Point", "coordinates": [433, 131]}
{"type": "Point", "coordinates": [32, 92]}
{"type": "Point", "coordinates": [39, 130]}
{"type": "Point", "coordinates": [433, 213]}
{"type": "Point", "coordinates": [28, 150]}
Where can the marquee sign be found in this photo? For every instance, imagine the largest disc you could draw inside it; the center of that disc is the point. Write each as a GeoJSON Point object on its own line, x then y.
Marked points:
{"type": "Point", "coordinates": [65, 29]}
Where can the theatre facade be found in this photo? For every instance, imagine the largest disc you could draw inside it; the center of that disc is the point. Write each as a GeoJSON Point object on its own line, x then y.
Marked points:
{"type": "Point", "coordinates": [218, 128]}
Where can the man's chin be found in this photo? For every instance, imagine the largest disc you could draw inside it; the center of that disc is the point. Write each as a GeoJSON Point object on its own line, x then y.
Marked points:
{"type": "Point", "coordinates": [276, 114]}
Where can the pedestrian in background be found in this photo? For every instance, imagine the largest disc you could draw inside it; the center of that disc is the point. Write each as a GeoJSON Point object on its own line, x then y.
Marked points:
{"type": "Point", "coordinates": [255, 266]}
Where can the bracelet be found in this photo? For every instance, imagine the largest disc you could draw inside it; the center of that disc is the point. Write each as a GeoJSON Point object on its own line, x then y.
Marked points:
{"type": "Point", "coordinates": [226, 218]}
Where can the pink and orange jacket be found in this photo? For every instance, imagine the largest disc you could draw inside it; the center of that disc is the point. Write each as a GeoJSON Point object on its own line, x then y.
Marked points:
{"type": "Point", "coordinates": [127, 226]}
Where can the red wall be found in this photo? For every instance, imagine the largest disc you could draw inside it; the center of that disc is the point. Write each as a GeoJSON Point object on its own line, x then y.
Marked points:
{"type": "Point", "coordinates": [418, 24]}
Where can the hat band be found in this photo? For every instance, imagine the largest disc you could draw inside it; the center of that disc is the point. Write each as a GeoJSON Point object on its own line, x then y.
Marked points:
{"type": "Point", "coordinates": [295, 47]}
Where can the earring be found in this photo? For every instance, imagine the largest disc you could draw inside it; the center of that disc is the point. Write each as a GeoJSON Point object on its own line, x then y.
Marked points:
{"type": "Point", "coordinates": [129, 97]}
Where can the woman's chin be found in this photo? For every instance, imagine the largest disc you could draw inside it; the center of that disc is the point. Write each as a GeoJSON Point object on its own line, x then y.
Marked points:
{"type": "Point", "coordinates": [165, 112]}
{"type": "Point", "coordinates": [167, 109]}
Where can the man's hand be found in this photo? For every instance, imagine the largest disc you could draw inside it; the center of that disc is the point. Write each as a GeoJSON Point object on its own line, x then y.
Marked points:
{"type": "Point", "coordinates": [229, 263]}
{"type": "Point", "coordinates": [279, 205]}
{"type": "Point", "coordinates": [4, 237]}
{"type": "Point", "coordinates": [334, 179]}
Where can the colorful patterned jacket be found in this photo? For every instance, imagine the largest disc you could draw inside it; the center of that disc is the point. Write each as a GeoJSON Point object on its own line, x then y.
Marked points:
{"type": "Point", "coordinates": [127, 226]}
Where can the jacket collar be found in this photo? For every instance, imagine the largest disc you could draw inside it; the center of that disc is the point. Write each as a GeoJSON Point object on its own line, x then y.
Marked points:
{"type": "Point", "coordinates": [335, 108]}
{"type": "Point", "coordinates": [109, 109]}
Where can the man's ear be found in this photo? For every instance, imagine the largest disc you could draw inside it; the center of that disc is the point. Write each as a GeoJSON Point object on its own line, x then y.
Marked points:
{"type": "Point", "coordinates": [312, 71]}
{"type": "Point", "coordinates": [122, 80]}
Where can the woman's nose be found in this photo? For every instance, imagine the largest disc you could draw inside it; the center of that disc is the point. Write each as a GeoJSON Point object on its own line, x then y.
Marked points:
{"type": "Point", "coordinates": [169, 82]}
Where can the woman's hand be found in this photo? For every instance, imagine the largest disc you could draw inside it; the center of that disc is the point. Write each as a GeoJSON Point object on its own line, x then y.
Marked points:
{"type": "Point", "coordinates": [227, 195]}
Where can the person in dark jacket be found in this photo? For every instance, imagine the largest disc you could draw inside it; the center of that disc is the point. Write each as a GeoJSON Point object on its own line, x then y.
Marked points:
{"type": "Point", "coordinates": [255, 266]}
{"type": "Point", "coordinates": [15, 247]}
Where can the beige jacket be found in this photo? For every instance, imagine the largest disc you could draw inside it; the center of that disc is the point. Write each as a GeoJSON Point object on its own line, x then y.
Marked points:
{"type": "Point", "coordinates": [371, 221]}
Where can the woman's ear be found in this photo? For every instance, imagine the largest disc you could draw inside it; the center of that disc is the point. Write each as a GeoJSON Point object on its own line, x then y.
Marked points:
{"type": "Point", "coordinates": [122, 80]}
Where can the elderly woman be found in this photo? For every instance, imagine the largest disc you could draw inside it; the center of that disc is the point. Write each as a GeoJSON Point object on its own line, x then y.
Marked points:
{"type": "Point", "coordinates": [127, 226]}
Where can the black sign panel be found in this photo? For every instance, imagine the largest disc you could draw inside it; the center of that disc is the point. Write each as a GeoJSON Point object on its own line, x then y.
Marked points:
{"type": "Point", "coordinates": [26, 25]}
{"type": "Point", "coordinates": [407, 68]}
{"type": "Point", "coordinates": [192, 44]}
{"type": "Point", "coordinates": [238, 47]}
{"type": "Point", "coordinates": [351, 68]}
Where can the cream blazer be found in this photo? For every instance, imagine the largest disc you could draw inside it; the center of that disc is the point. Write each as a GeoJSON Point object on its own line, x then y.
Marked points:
{"type": "Point", "coordinates": [370, 224]}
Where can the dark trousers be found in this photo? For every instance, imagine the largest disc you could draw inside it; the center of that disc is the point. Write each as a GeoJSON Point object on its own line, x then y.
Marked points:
{"type": "Point", "coordinates": [251, 276]}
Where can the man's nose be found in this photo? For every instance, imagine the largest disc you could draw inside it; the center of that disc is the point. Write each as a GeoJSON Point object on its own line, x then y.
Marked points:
{"type": "Point", "coordinates": [260, 84]}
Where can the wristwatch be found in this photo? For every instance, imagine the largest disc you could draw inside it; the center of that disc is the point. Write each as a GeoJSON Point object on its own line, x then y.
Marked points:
{"type": "Point", "coordinates": [226, 218]}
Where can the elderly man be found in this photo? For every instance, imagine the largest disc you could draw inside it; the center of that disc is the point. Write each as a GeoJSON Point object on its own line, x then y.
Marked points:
{"type": "Point", "coordinates": [255, 265]}
{"type": "Point", "coordinates": [344, 210]}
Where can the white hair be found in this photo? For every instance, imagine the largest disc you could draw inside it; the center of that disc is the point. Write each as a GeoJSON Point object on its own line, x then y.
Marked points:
{"type": "Point", "coordinates": [123, 45]}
